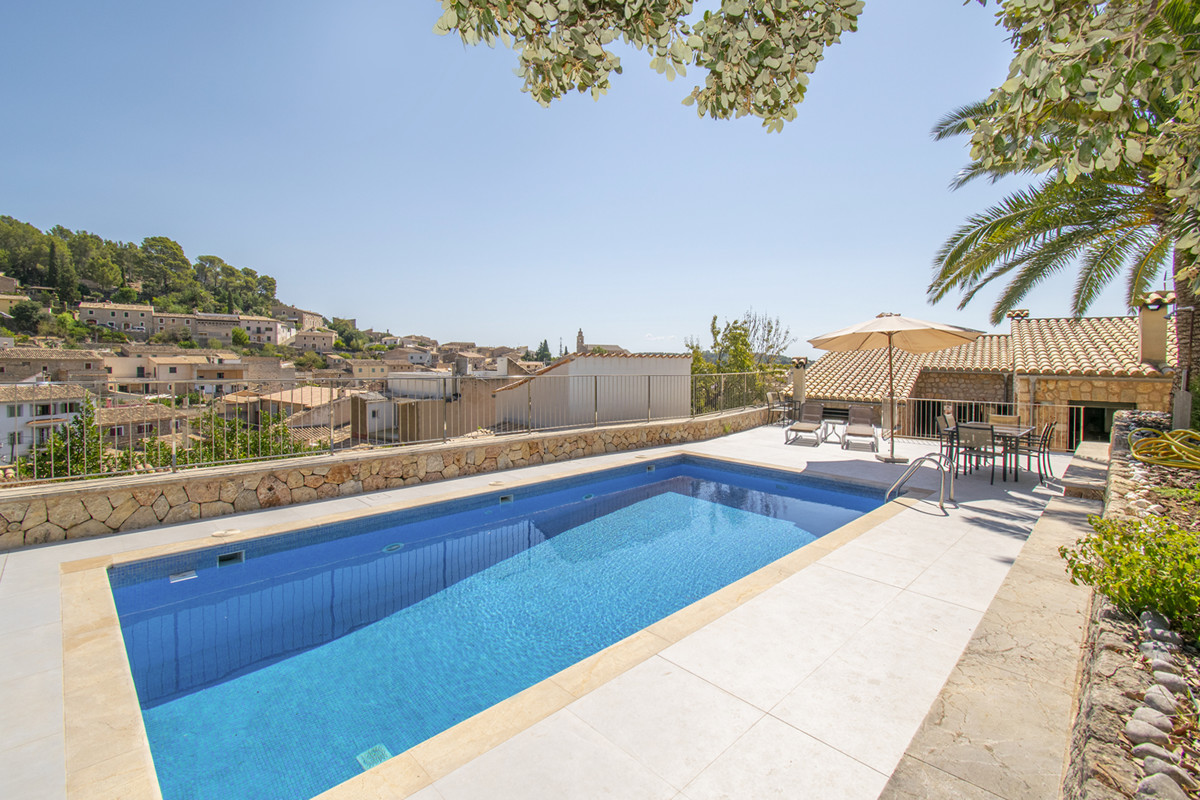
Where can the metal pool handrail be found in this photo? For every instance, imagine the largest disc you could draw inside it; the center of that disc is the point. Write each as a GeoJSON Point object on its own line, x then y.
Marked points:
{"type": "Point", "coordinates": [944, 465]}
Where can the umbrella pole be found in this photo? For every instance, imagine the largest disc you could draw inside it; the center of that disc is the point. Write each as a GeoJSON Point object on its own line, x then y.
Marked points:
{"type": "Point", "coordinates": [891, 459]}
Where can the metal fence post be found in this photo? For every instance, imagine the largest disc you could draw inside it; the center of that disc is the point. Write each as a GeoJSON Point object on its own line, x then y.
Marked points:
{"type": "Point", "coordinates": [445, 409]}
{"type": "Point", "coordinates": [595, 401]}
{"type": "Point", "coordinates": [648, 396]}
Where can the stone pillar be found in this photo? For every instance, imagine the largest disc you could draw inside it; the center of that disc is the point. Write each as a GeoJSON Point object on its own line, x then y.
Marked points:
{"type": "Point", "coordinates": [1152, 328]}
{"type": "Point", "coordinates": [799, 367]}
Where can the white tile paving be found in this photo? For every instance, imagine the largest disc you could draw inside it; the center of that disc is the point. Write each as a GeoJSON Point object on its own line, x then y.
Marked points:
{"type": "Point", "coordinates": [813, 688]}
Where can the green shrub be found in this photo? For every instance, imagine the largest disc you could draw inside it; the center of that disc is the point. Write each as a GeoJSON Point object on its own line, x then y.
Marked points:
{"type": "Point", "coordinates": [1150, 564]}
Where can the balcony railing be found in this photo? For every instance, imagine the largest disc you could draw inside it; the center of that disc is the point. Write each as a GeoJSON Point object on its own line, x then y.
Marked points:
{"type": "Point", "coordinates": [105, 429]}
{"type": "Point", "coordinates": [917, 417]}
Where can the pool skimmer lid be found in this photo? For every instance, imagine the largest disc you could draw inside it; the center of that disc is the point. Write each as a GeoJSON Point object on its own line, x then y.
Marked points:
{"type": "Point", "coordinates": [391, 548]}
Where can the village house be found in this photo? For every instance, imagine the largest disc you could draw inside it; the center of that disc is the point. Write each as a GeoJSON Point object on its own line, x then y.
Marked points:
{"type": "Point", "coordinates": [1075, 372]}
{"type": "Point", "coordinates": [298, 318]}
{"type": "Point", "coordinates": [266, 330]}
{"type": "Point", "coordinates": [128, 426]}
{"type": "Point", "coordinates": [318, 341]}
{"type": "Point", "coordinates": [409, 355]}
{"type": "Point", "coordinates": [371, 368]}
{"type": "Point", "coordinates": [7, 301]}
{"type": "Point", "coordinates": [8, 285]}
{"type": "Point", "coordinates": [137, 321]}
{"type": "Point", "coordinates": [18, 364]}
{"type": "Point", "coordinates": [32, 412]}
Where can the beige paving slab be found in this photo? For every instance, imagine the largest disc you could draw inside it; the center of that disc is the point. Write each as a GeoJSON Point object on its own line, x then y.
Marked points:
{"type": "Point", "coordinates": [760, 651]}
{"type": "Point", "coordinates": [867, 699]}
{"type": "Point", "coordinates": [563, 758]}
{"type": "Point", "coordinates": [916, 780]}
{"type": "Point", "coordinates": [945, 623]}
{"type": "Point", "coordinates": [865, 562]}
{"type": "Point", "coordinates": [33, 708]}
{"type": "Point", "coordinates": [918, 543]}
{"type": "Point", "coordinates": [30, 650]}
{"type": "Point", "coordinates": [963, 577]}
{"type": "Point", "coordinates": [774, 761]}
{"type": "Point", "coordinates": [994, 728]}
{"type": "Point", "coordinates": [24, 775]}
{"type": "Point", "coordinates": [1030, 641]}
{"type": "Point", "coordinates": [667, 718]}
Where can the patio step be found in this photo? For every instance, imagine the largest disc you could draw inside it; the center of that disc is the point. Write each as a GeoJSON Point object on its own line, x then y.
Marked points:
{"type": "Point", "coordinates": [1087, 474]}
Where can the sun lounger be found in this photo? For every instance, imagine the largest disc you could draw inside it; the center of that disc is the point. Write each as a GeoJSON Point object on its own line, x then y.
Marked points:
{"type": "Point", "coordinates": [811, 423]}
{"type": "Point", "coordinates": [860, 425]}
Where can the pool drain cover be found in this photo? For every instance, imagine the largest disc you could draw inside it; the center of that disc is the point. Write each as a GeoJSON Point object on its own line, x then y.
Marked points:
{"type": "Point", "coordinates": [373, 757]}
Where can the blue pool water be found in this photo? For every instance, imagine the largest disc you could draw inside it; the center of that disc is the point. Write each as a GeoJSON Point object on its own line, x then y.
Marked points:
{"type": "Point", "coordinates": [272, 671]}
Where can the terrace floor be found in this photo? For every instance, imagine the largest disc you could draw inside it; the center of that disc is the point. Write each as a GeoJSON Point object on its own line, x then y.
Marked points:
{"type": "Point", "coordinates": [815, 684]}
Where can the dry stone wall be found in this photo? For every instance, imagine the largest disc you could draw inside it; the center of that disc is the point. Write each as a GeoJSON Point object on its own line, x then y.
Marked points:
{"type": "Point", "coordinates": [38, 514]}
{"type": "Point", "coordinates": [985, 387]}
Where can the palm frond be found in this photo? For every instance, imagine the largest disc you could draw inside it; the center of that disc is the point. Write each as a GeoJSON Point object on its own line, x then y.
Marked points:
{"type": "Point", "coordinates": [961, 120]}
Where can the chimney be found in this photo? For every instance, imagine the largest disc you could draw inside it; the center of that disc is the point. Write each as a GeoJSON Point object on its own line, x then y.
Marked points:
{"type": "Point", "coordinates": [1152, 327]}
{"type": "Point", "coordinates": [799, 367]}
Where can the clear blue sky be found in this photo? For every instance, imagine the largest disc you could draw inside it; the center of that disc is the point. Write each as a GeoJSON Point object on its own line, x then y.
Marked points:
{"type": "Point", "coordinates": [379, 171]}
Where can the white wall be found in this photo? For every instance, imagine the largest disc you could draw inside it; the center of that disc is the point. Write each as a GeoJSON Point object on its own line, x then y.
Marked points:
{"type": "Point", "coordinates": [598, 389]}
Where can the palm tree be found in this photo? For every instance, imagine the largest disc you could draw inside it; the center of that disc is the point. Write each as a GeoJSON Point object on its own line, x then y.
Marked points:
{"type": "Point", "coordinates": [1107, 224]}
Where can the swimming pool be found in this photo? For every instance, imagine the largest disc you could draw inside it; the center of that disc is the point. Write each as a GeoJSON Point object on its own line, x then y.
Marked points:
{"type": "Point", "coordinates": [281, 666]}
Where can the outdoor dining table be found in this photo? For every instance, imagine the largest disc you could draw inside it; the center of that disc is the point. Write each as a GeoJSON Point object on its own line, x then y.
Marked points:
{"type": "Point", "coordinates": [1009, 437]}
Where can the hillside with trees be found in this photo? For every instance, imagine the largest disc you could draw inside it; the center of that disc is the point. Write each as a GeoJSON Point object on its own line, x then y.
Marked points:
{"type": "Point", "coordinates": [79, 265]}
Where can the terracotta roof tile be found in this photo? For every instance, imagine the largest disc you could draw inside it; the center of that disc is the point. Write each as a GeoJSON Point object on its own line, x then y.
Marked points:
{"type": "Point", "coordinates": [860, 376]}
{"type": "Point", "coordinates": [1092, 346]}
{"type": "Point", "coordinates": [988, 353]}
{"type": "Point", "coordinates": [142, 412]}
{"type": "Point", "coordinates": [18, 392]}
{"type": "Point", "coordinates": [49, 353]}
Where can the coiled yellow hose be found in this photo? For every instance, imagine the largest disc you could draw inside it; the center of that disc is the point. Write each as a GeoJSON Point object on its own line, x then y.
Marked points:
{"type": "Point", "coordinates": [1180, 448]}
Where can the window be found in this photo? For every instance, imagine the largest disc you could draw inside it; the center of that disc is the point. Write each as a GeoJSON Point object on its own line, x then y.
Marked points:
{"type": "Point", "coordinates": [14, 438]}
{"type": "Point", "coordinates": [14, 411]}
{"type": "Point", "coordinates": [112, 313]}
{"type": "Point", "coordinates": [126, 315]}
{"type": "Point", "coordinates": [43, 410]}
{"type": "Point", "coordinates": [374, 413]}
{"type": "Point", "coordinates": [74, 408]}
{"type": "Point", "coordinates": [87, 365]}
{"type": "Point", "coordinates": [119, 430]}
{"type": "Point", "coordinates": [220, 375]}
{"type": "Point", "coordinates": [172, 370]}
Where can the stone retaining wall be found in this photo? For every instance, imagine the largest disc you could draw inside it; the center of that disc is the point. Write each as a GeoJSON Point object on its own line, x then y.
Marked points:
{"type": "Point", "coordinates": [38, 514]}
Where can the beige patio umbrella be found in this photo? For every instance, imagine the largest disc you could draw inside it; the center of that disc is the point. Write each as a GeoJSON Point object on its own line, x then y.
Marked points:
{"type": "Point", "coordinates": [893, 330]}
